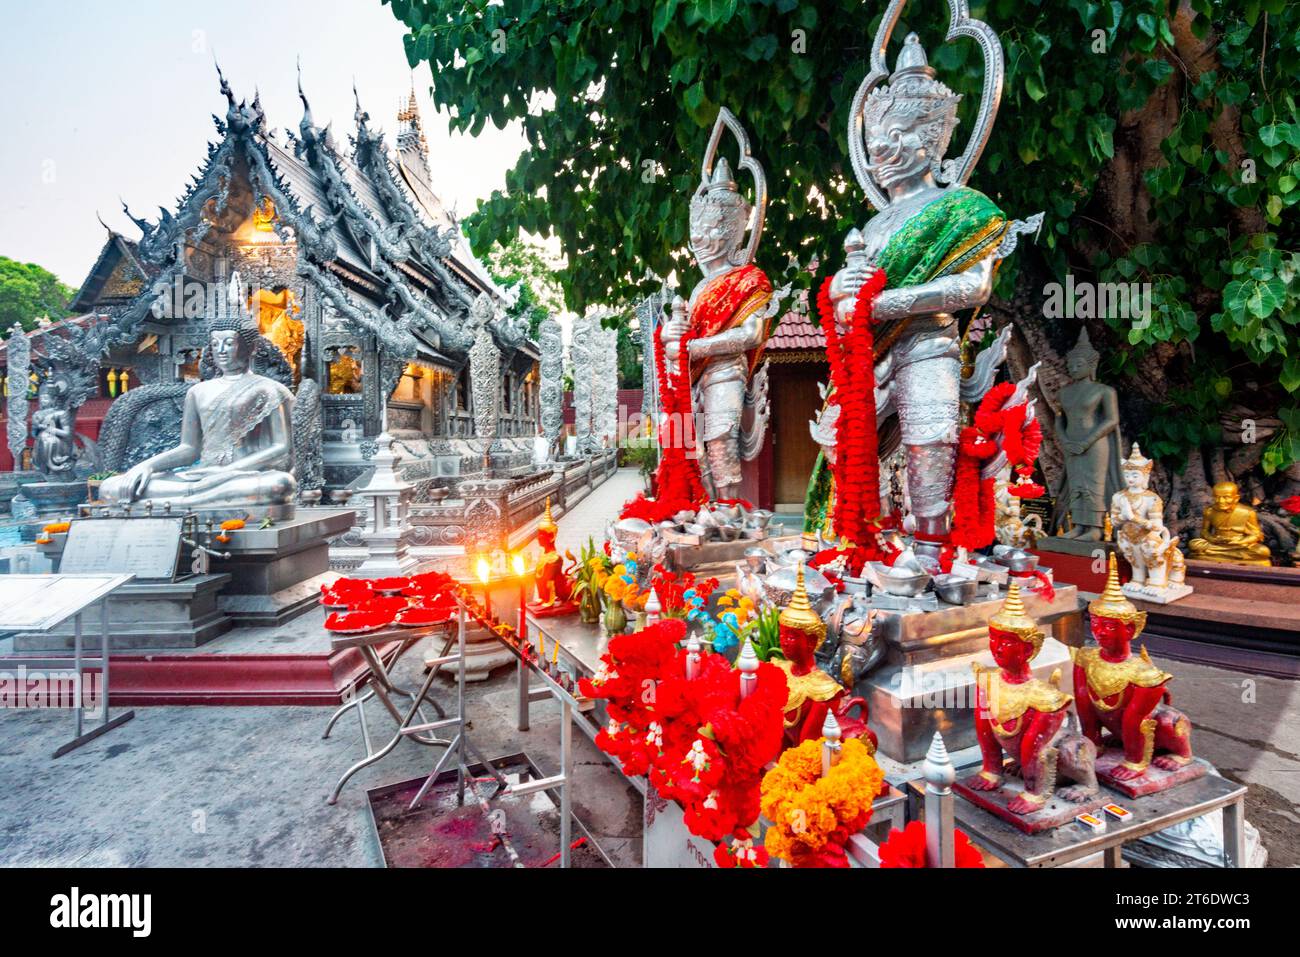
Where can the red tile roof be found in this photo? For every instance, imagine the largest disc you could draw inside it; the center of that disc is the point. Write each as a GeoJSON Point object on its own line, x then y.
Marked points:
{"type": "Point", "coordinates": [796, 331]}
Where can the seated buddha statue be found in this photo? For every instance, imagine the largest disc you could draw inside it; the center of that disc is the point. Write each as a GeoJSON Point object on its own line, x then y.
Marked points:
{"type": "Point", "coordinates": [813, 692]}
{"type": "Point", "coordinates": [1026, 718]}
{"type": "Point", "coordinates": [1126, 694]}
{"type": "Point", "coordinates": [1230, 531]}
{"type": "Point", "coordinates": [236, 448]}
{"type": "Point", "coordinates": [554, 586]}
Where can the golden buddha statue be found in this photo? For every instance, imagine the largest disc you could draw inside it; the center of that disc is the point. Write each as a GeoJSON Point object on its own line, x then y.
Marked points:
{"type": "Point", "coordinates": [1230, 531]}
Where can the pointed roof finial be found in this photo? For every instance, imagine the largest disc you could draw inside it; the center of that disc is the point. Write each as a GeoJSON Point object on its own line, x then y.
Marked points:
{"type": "Point", "coordinates": [937, 767]}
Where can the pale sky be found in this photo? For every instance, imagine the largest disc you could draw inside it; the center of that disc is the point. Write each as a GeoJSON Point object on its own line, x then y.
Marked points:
{"type": "Point", "coordinates": [108, 98]}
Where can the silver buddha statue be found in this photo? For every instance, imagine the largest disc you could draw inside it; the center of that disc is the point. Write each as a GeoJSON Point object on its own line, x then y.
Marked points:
{"type": "Point", "coordinates": [236, 449]}
{"type": "Point", "coordinates": [939, 243]}
{"type": "Point", "coordinates": [725, 323]}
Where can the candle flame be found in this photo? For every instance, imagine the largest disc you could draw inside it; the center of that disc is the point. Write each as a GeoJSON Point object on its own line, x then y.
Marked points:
{"type": "Point", "coordinates": [484, 569]}
{"type": "Point", "coordinates": [517, 561]}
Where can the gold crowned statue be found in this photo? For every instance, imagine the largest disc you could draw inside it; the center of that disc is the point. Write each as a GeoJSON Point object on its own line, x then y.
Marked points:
{"type": "Point", "coordinates": [1230, 531]}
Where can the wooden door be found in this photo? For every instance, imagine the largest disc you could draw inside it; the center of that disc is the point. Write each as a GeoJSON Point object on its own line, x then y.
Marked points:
{"type": "Point", "coordinates": [795, 401]}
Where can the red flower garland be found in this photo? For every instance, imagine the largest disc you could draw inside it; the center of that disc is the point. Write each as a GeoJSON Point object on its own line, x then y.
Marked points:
{"type": "Point", "coordinates": [695, 740]}
{"type": "Point", "coordinates": [996, 426]}
{"type": "Point", "coordinates": [654, 510]}
{"type": "Point", "coordinates": [852, 367]}
{"type": "Point", "coordinates": [678, 476]}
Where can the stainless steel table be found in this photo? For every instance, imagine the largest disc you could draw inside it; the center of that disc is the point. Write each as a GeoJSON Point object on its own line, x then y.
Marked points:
{"type": "Point", "coordinates": [1071, 842]}
{"type": "Point", "coordinates": [42, 602]}
{"type": "Point", "coordinates": [580, 647]}
{"type": "Point", "coordinates": [380, 685]}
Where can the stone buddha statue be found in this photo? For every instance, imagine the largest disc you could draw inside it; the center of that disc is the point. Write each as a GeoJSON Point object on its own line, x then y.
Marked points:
{"type": "Point", "coordinates": [1088, 432]}
{"type": "Point", "coordinates": [236, 448]}
{"type": "Point", "coordinates": [1230, 531]}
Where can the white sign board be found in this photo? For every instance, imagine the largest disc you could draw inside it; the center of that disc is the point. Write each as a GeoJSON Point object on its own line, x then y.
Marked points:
{"type": "Point", "coordinates": [143, 547]}
{"type": "Point", "coordinates": [40, 602]}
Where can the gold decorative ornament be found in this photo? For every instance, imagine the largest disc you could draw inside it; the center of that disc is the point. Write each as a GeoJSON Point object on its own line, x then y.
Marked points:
{"type": "Point", "coordinates": [547, 523]}
{"type": "Point", "coordinates": [1013, 618]}
{"type": "Point", "coordinates": [1111, 603]}
{"type": "Point", "coordinates": [799, 614]}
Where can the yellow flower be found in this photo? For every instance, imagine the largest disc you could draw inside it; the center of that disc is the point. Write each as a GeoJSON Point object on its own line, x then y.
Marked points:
{"type": "Point", "coordinates": [805, 807]}
{"type": "Point", "coordinates": [55, 528]}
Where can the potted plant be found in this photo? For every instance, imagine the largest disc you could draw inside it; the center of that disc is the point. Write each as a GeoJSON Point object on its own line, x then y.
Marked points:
{"type": "Point", "coordinates": [589, 577]}
{"type": "Point", "coordinates": [93, 482]}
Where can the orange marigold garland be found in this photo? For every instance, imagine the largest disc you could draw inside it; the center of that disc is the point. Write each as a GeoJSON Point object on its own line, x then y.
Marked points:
{"type": "Point", "coordinates": [813, 816]}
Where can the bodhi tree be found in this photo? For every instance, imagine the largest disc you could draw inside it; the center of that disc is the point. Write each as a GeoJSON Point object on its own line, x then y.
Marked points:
{"type": "Point", "coordinates": [1161, 138]}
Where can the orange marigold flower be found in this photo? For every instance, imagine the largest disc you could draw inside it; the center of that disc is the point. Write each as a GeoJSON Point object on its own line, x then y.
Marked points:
{"type": "Point", "coordinates": [232, 524]}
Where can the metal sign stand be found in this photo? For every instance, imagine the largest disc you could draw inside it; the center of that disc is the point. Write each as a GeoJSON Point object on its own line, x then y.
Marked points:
{"type": "Point", "coordinates": [98, 589]}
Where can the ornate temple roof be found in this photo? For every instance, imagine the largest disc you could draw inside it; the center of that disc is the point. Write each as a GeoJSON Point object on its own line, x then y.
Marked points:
{"type": "Point", "coordinates": [371, 234]}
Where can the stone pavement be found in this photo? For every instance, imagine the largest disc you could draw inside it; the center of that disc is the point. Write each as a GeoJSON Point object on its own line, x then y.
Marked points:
{"type": "Point", "coordinates": [589, 517]}
{"type": "Point", "coordinates": [240, 787]}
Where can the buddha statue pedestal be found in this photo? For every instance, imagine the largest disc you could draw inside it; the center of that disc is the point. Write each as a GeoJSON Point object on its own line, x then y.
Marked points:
{"type": "Point", "coordinates": [276, 572]}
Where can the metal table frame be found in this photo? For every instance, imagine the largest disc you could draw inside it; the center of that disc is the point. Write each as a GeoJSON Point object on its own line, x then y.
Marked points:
{"type": "Point", "coordinates": [1070, 843]}
{"type": "Point", "coordinates": [101, 596]}
{"type": "Point", "coordinates": [381, 686]}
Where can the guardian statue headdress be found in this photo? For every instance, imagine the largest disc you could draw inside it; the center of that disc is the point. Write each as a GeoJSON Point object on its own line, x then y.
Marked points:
{"type": "Point", "coordinates": [718, 194]}
{"type": "Point", "coordinates": [913, 91]}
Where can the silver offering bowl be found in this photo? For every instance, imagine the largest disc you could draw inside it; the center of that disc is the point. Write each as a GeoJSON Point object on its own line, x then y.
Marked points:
{"type": "Point", "coordinates": [728, 533]}
{"type": "Point", "coordinates": [760, 518]}
{"type": "Point", "coordinates": [956, 590]}
{"type": "Point", "coordinates": [792, 557]}
{"type": "Point", "coordinates": [631, 532]}
{"type": "Point", "coordinates": [779, 587]}
{"type": "Point", "coordinates": [756, 558]}
{"type": "Point", "coordinates": [1016, 559]}
{"type": "Point", "coordinates": [341, 495]}
{"type": "Point", "coordinates": [901, 582]}
{"type": "Point", "coordinates": [310, 496]}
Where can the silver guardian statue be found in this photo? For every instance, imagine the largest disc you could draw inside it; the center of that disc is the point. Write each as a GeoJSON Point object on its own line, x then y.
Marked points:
{"type": "Point", "coordinates": [898, 138]}
{"type": "Point", "coordinates": [729, 389]}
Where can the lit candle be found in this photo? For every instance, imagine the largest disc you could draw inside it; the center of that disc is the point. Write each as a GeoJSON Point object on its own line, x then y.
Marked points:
{"type": "Point", "coordinates": [485, 575]}
{"type": "Point", "coordinates": [521, 570]}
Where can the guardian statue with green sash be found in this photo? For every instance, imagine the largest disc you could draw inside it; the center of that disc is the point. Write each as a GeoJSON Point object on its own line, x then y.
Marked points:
{"type": "Point", "coordinates": [893, 315]}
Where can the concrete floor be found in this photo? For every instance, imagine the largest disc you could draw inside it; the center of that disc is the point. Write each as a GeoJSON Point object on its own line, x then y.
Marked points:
{"type": "Point", "coordinates": [242, 787]}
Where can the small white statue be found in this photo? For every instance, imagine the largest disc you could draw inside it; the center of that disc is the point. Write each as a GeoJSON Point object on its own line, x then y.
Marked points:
{"type": "Point", "coordinates": [1137, 515]}
{"type": "Point", "coordinates": [1011, 527]}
